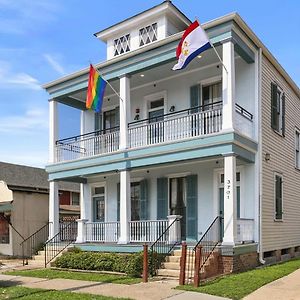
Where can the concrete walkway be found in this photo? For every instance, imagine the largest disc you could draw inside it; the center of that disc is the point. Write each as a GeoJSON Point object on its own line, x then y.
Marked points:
{"type": "Point", "coordinates": [156, 290]}
{"type": "Point", "coordinates": [287, 288]}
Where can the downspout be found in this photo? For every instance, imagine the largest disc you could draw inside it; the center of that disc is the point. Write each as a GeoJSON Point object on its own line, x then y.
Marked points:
{"type": "Point", "coordinates": [260, 156]}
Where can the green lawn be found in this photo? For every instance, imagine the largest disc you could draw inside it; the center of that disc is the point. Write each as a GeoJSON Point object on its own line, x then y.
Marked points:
{"type": "Point", "coordinates": [24, 293]}
{"type": "Point", "coordinates": [239, 285]}
{"type": "Point", "coordinates": [51, 274]}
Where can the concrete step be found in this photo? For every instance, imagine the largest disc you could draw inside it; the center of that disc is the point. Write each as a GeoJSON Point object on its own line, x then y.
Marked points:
{"type": "Point", "coordinates": [168, 273]}
{"type": "Point", "coordinates": [173, 259]}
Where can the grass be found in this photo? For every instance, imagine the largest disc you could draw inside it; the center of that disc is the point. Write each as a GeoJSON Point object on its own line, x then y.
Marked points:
{"type": "Point", "coordinates": [24, 293]}
{"type": "Point", "coordinates": [237, 286]}
{"type": "Point", "coordinates": [52, 274]}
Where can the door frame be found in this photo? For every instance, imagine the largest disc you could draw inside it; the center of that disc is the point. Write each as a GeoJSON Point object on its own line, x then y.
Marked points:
{"type": "Point", "coordinates": [93, 186]}
{"type": "Point", "coordinates": [152, 97]}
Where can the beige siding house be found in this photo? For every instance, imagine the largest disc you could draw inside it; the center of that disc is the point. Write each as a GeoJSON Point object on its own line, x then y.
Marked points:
{"type": "Point", "coordinates": [279, 157]}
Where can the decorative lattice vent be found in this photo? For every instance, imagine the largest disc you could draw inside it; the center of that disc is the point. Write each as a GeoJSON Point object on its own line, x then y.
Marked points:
{"type": "Point", "coordinates": [122, 44]}
{"type": "Point", "coordinates": [148, 34]}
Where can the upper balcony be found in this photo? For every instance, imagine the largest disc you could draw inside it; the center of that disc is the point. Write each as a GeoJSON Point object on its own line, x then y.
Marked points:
{"type": "Point", "coordinates": [162, 115]}
{"type": "Point", "coordinates": [173, 127]}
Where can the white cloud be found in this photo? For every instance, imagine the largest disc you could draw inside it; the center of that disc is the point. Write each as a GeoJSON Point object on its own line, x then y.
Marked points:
{"type": "Point", "coordinates": [33, 158]}
{"type": "Point", "coordinates": [10, 79]}
{"type": "Point", "coordinates": [54, 64]}
{"type": "Point", "coordinates": [31, 122]}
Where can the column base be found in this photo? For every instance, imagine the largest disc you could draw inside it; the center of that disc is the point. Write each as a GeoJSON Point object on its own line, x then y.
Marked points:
{"type": "Point", "coordinates": [123, 242]}
{"type": "Point", "coordinates": [81, 232]}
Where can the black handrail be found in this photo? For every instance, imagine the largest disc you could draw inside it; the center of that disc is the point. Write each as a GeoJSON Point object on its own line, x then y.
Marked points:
{"type": "Point", "coordinates": [161, 248]}
{"type": "Point", "coordinates": [35, 242]}
{"type": "Point", "coordinates": [188, 110]}
{"type": "Point", "coordinates": [243, 112]}
{"type": "Point", "coordinates": [60, 241]}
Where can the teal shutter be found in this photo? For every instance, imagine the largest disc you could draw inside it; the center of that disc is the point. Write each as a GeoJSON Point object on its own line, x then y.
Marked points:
{"type": "Point", "coordinates": [274, 107]}
{"type": "Point", "coordinates": [162, 198]}
{"type": "Point", "coordinates": [192, 207]}
{"type": "Point", "coordinates": [283, 114]}
{"type": "Point", "coordinates": [118, 201]}
{"type": "Point", "coordinates": [195, 97]}
{"type": "Point", "coordinates": [278, 197]}
{"type": "Point", "coordinates": [144, 200]}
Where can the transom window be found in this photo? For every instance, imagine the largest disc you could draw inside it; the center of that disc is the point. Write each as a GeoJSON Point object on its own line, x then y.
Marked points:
{"type": "Point", "coordinates": [122, 44]}
{"type": "Point", "coordinates": [148, 34]}
{"type": "Point", "coordinates": [297, 148]}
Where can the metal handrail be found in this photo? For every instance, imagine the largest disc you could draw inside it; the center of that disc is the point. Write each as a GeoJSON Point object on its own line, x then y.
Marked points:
{"type": "Point", "coordinates": [57, 245]}
{"type": "Point", "coordinates": [244, 112]}
{"type": "Point", "coordinates": [33, 241]}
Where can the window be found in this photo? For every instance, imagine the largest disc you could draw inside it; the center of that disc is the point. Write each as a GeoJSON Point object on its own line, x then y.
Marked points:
{"type": "Point", "coordinates": [135, 201]}
{"type": "Point", "coordinates": [211, 94]}
{"type": "Point", "coordinates": [278, 109]}
{"type": "Point", "coordinates": [278, 197]}
{"type": "Point", "coordinates": [4, 229]}
{"type": "Point", "coordinates": [122, 44]}
{"type": "Point", "coordinates": [148, 34]}
{"type": "Point", "coordinates": [75, 199]}
{"type": "Point", "coordinates": [297, 149]}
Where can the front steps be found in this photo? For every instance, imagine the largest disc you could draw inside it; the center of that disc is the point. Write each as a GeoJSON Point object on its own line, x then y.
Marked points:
{"type": "Point", "coordinates": [171, 267]}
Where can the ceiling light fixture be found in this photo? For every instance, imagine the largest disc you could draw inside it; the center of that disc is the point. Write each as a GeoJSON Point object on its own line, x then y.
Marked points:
{"type": "Point", "coordinates": [142, 75]}
{"type": "Point", "coordinates": [199, 56]}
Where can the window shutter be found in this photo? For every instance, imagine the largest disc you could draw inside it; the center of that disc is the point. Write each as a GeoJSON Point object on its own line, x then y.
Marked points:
{"type": "Point", "coordinates": [144, 200]}
{"type": "Point", "coordinates": [117, 109]}
{"type": "Point", "coordinates": [118, 201]}
{"type": "Point", "coordinates": [192, 207]}
{"type": "Point", "coordinates": [195, 97]}
{"type": "Point", "coordinates": [98, 121]}
{"type": "Point", "coordinates": [274, 107]}
{"type": "Point", "coordinates": [162, 198]}
{"type": "Point", "coordinates": [238, 202]}
{"type": "Point", "coordinates": [278, 197]}
{"type": "Point", "coordinates": [283, 114]}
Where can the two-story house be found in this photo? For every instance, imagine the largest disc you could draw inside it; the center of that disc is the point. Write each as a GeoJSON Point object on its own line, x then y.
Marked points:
{"type": "Point", "coordinates": [206, 141]}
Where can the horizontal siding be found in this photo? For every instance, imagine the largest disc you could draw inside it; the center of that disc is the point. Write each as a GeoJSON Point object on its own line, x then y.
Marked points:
{"type": "Point", "coordinates": [278, 235]}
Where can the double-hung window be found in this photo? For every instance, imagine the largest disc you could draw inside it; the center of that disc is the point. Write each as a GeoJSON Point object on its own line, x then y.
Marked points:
{"type": "Point", "coordinates": [278, 197]}
{"type": "Point", "coordinates": [277, 109]}
{"type": "Point", "coordinates": [297, 148]}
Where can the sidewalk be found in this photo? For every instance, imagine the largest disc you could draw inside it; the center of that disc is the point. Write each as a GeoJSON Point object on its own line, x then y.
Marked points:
{"type": "Point", "coordinates": [157, 290]}
{"type": "Point", "coordinates": [287, 288]}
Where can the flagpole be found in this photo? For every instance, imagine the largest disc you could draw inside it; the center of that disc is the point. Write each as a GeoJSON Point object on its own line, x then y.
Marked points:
{"type": "Point", "coordinates": [108, 83]}
{"type": "Point", "coordinates": [212, 45]}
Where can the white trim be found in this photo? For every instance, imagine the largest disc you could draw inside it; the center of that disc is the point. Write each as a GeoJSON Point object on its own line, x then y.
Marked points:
{"type": "Point", "coordinates": [177, 175]}
{"type": "Point", "coordinates": [93, 186]}
{"type": "Point", "coordinates": [152, 97]}
{"type": "Point", "coordinates": [137, 179]}
{"type": "Point", "coordinates": [211, 80]}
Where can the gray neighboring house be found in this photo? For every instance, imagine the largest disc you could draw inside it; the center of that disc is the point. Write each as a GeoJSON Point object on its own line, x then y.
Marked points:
{"type": "Point", "coordinates": [24, 204]}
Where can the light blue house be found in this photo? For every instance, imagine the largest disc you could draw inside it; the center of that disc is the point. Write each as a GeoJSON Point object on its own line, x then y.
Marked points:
{"type": "Point", "coordinates": [184, 143]}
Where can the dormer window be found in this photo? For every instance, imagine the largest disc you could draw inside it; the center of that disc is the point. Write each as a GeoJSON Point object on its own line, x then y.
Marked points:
{"type": "Point", "coordinates": [122, 44]}
{"type": "Point", "coordinates": [148, 34]}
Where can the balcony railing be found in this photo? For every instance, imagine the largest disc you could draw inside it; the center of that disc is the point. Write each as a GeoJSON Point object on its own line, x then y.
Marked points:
{"type": "Point", "coordinates": [181, 125]}
{"type": "Point", "coordinates": [184, 124]}
{"type": "Point", "coordinates": [147, 231]}
{"type": "Point", "coordinates": [102, 231]}
{"type": "Point", "coordinates": [245, 230]}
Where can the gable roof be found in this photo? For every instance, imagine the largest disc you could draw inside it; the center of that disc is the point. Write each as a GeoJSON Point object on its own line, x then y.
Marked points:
{"type": "Point", "coordinates": [30, 178]}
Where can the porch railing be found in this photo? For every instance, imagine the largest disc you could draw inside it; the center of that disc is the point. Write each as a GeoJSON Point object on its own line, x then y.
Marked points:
{"type": "Point", "coordinates": [87, 145]}
{"type": "Point", "coordinates": [176, 126]}
{"type": "Point", "coordinates": [244, 121]}
{"type": "Point", "coordinates": [245, 230]}
{"type": "Point", "coordinates": [147, 231]}
{"type": "Point", "coordinates": [102, 231]}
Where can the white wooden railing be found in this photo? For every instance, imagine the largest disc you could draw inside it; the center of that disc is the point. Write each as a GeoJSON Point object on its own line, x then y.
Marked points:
{"type": "Point", "coordinates": [87, 145]}
{"type": "Point", "coordinates": [147, 231]}
{"type": "Point", "coordinates": [245, 230]}
{"type": "Point", "coordinates": [173, 128]}
{"type": "Point", "coordinates": [102, 231]}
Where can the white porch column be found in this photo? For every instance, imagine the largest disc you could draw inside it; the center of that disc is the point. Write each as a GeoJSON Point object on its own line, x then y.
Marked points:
{"type": "Point", "coordinates": [85, 212]}
{"type": "Point", "coordinates": [124, 110]}
{"type": "Point", "coordinates": [53, 209]}
{"type": "Point", "coordinates": [230, 217]}
{"type": "Point", "coordinates": [228, 86]}
{"type": "Point", "coordinates": [53, 129]}
{"type": "Point", "coordinates": [125, 207]}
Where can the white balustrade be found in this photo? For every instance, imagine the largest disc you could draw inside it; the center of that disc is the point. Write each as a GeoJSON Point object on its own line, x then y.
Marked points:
{"type": "Point", "coordinates": [174, 127]}
{"type": "Point", "coordinates": [245, 230]}
{"type": "Point", "coordinates": [87, 145]}
{"type": "Point", "coordinates": [102, 231]}
{"type": "Point", "coordinates": [147, 231]}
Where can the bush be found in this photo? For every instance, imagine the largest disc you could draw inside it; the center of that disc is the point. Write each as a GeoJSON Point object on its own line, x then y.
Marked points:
{"type": "Point", "coordinates": [131, 264]}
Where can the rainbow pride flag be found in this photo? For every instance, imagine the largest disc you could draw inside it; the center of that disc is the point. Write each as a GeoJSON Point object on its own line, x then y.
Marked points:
{"type": "Point", "coordinates": [96, 89]}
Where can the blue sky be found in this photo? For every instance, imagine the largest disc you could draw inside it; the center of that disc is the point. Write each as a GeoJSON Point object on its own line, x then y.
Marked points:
{"type": "Point", "coordinates": [43, 40]}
